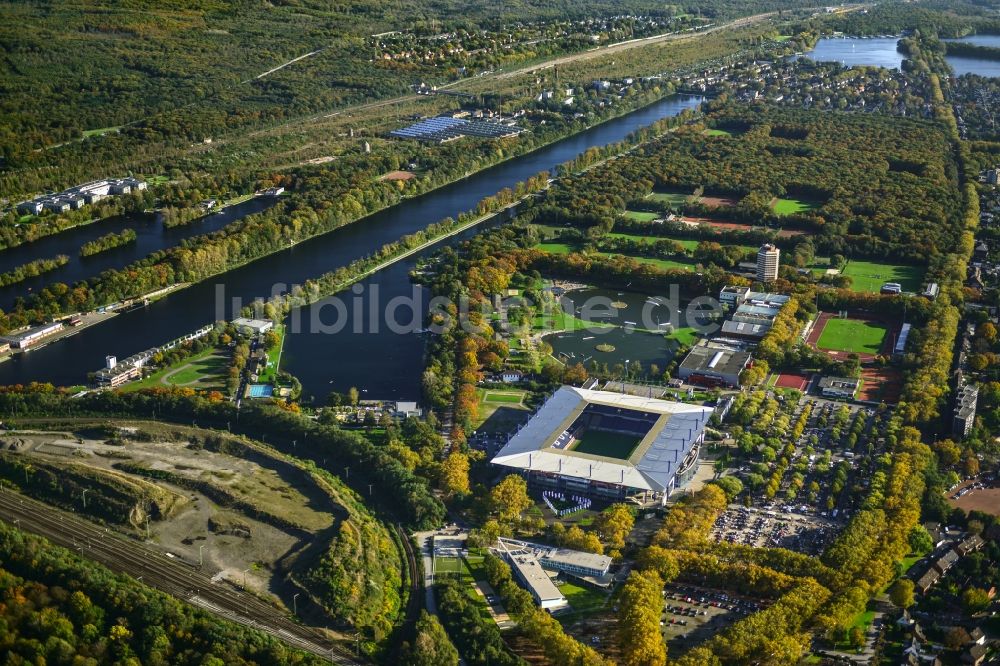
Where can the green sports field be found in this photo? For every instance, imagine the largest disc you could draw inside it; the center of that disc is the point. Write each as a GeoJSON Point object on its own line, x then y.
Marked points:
{"type": "Point", "coordinates": [792, 206]}
{"type": "Point", "coordinates": [607, 444]}
{"type": "Point", "coordinates": [641, 216]}
{"type": "Point", "coordinates": [555, 248]}
{"type": "Point", "coordinates": [852, 335]}
{"type": "Point", "coordinates": [717, 132]}
{"type": "Point", "coordinates": [870, 276]}
{"type": "Point", "coordinates": [672, 198]}
{"type": "Point", "coordinates": [496, 396]}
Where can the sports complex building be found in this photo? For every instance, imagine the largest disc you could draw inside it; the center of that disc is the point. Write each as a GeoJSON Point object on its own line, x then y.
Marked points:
{"type": "Point", "coordinates": [608, 446]}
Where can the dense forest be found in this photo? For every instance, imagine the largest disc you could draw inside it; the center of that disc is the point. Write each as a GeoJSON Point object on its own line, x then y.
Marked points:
{"type": "Point", "coordinates": [56, 607]}
{"type": "Point", "coordinates": [859, 171]}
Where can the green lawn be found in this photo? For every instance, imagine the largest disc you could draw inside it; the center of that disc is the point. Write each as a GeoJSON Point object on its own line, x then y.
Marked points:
{"type": "Point", "coordinates": [686, 335]}
{"type": "Point", "coordinates": [792, 206]}
{"type": "Point", "coordinates": [641, 216]}
{"type": "Point", "coordinates": [496, 396]}
{"type": "Point", "coordinates": [851, 335]}
{"type": "Point", "coordinates": [556, 248]}
{"type": "Point", "coordinates": [561, 320]}
{"type": "Point", "coordinates": [210, 366]}
{"type": "Point", "coordinates": [499, 415]}
{"type": "Point", "coordinates": [269, 375]}
{"type": "Point", "coordinates": [687, 244]}
{"type": "Point", "coordinates": [869, 276]}
{"type": "Point", "coordinates": [205, 370]}
{"type": "Point", "coordinates": [653, 261]}
{"type": "Point", "coordinates": [98, 132]}
{"type": "Point", "coordinates": [583, 599]}
{"type": "Point", "coordinates": [607, 444]}
{"type": "Point", "coordinates": [717, 132]}
{"type": "Point", "coordinates": [673, 198]}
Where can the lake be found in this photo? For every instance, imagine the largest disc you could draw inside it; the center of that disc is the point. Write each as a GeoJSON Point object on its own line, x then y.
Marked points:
{"type": "Point", "coordinates": [881, 52]}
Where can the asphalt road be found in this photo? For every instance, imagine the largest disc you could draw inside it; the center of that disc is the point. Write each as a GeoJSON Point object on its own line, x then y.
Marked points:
{"type": "Point", "coordinates": [154, 568]}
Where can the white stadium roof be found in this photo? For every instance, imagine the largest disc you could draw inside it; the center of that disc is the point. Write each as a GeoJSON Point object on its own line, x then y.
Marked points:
{"type": "Point", "coordinates": [651, 466]}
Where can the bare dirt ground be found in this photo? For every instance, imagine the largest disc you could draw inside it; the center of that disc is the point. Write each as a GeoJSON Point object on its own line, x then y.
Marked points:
{"type": "Point", "coordinates": [986, 500]}
{"type": "Point", "coordinates": [229, 543]}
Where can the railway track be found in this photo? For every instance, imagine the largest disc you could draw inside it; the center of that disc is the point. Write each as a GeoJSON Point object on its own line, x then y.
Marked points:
{"type": "Point", "coordinates": [167, 574]}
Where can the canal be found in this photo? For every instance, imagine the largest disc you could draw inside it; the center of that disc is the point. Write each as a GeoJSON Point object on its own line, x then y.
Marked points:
{"type": "Point", "coordinates": [150, 233]}
{"type": "Point", "coordinates": [380, 362]}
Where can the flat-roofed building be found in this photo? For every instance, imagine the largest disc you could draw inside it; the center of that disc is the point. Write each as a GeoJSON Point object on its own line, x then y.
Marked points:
{"type": "Point", "coordinates": [713, 364]}
{"type": "Point", "coordinates": [576, 562]}
{"type": "Point", "coordinates": [252, 326]}
{"type": "Point", "coordinates": [116, 376]}
{"type": "Point", "coordinates": [843, 388]}
{"type": "Point", "coordinates": [530, 574]}
{"type": "Point", "coordinates": [33, 335]}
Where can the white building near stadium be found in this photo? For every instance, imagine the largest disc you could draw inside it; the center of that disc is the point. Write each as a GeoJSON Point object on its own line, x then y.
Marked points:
{"type": "Point", "coordinates": [609, 446]}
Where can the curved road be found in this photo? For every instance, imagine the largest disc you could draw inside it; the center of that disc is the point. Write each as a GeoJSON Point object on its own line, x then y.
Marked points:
{"type": "Point", "coordinates": [166, 574]}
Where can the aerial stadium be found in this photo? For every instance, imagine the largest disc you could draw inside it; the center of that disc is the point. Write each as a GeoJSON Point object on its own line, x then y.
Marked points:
{"type": "Point", "coordinates": [608, 446]}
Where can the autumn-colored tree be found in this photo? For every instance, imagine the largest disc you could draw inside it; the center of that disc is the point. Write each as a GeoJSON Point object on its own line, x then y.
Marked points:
{"type": "Point", "coordinates": [901, 593]}
{"type": "Point", "coordinates": [639, 635]}
{"type": "Point", "coordinates": [455, 474]}
{"type": "Point", "coordinates": [509, 498]}
{"type": "Point", "coordinates": [614, 524]}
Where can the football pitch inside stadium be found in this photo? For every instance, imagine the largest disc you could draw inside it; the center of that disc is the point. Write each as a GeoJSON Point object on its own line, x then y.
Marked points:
{"type": "Point", "coordinates": [608, 444]}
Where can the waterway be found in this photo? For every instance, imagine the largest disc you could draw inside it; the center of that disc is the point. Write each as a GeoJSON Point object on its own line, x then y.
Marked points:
{"type": "Point", "coordinates": [882, 52]}
{"type": "Point", "coordinates": [151, 236]}
{"type": "Point", "coordinates": [381, 363]}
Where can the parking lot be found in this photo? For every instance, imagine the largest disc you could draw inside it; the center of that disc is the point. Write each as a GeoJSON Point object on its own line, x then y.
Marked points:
{"type": "Point", "coordinates": [692, 614]}
{"type": "Point", "coordinates": [795, 528]}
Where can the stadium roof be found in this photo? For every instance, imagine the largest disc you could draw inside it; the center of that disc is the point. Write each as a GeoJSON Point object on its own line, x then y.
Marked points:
{"type": "Point", "coordinates": [651, 466]}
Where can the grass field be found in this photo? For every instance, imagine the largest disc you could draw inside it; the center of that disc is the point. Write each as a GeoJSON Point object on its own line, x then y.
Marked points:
{"type": "Point", "coordinates": [583, 599]}
{"type": "Point", "coordinates": [269, 375]}
{"type": "Point", "coordinates": [504, 397]}
{"type": "Point", "coordinates": [641, 216]}
{"type": "Point", "coordinates": [204, 370]}
{"type": "Point", "coordinates": [851, 335]}
{"type": "Point", "coordinates": [717, 132]}
{"type": "Point", "coordinates": [99, 132]}
{"type": "Point", "coordinates": [210, 366]}
{"type": "Point", "coordinates": [672, 198]}
{"type": "Point", "coordinates": [792, 206]}
{"type": "Point", "coordinates": [687, 244]}
{"type": "Point", "coordinates": [607, 444]}
{"type": "Point", "coordinates": [685, 335]}
{"type": "Point", "coordinates": [556, 248]}
{"type": "Point", "coordinates": [869, 276]}
{"type": "Point", "coordinates": [503, 414]}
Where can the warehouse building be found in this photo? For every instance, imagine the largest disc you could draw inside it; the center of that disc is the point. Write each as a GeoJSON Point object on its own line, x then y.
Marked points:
{"type": "Point", "coordinates": [33, 336]}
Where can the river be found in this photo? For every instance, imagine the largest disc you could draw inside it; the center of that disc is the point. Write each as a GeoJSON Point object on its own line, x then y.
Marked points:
{"type": "Point", "coordinates": [383, 364]}
{"type": "Point", "coordinates": [881, 52]}
{"type": "Point", "coordinates": [150, 233]}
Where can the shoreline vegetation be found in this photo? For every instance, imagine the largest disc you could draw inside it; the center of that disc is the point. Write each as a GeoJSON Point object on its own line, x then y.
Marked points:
{"type": "Point", "coordinates": [107, 242]}
{"type": "Point", "coordinates": [32, 269]}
